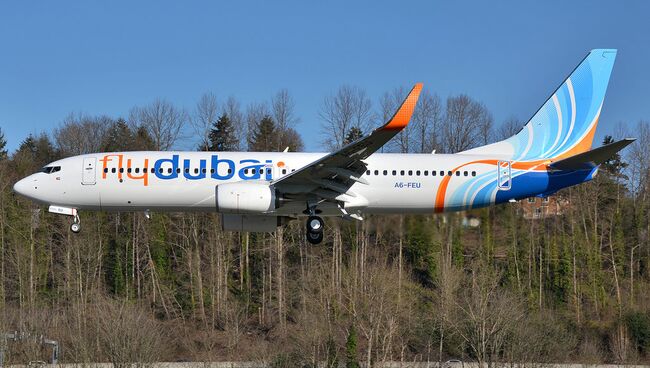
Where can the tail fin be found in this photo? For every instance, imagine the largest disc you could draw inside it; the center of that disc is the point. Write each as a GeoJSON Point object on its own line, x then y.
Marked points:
{"type": "Point", "coordinates": [566, 123]}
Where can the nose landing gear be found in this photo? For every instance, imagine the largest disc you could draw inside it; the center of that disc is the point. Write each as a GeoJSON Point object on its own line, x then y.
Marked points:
{"type": "Point", "coordinates": [315, 226]}
{"type": "Point", "coordinates": [75, 227]}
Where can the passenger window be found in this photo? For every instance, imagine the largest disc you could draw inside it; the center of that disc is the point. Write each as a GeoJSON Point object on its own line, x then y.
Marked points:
{"type": "Point", "coordinates": [457, 173]}
{"type": "Point", "coordinates": [442, 173]}
{"type": "Point", "coordinates": [417, 173]}
{"type": "Point", "coordinates": [448, 173]}
{"type": "Point", "coordinates": [178, 170]}
{"type": "Point", "coordinates": [169, 171]}
{"type": "Point", "coordinates": [367, 172]}
{"type": "Point", "coordinates": [187, 171]}
{"type": "Point", "coordinates": [106, 169]}
{"type": "Point", "coordinates": [426, 172]}
{"type": "Point", "coordinates": [137, 170]}
{"type": "Point", "coordinates": [211, 171]}
{"type": "Point", "coordinates": [160, 170]}
{"type": "Point", "coordinates": [473, 173]}
{"type": "Point", "coordinates": [245, 171]}
{"type": "Point", "coordinates": [196, 171]}
{"type": "Point", "coordinates": [465, 173]}
{"type": "Point", "coordinates": [401, 172]}
{"type": "Point", "coordinates": [268, 171]}
{"type": "Point", "coordinates": [229, 171]}
{"type": "Point", "coordinates": [385, 172]}
{"type": "Point", "coordinates": [433, 173]}
{"type": "Point", "coordinates": [113, 170]}
{"type": "Point", "coordinates": [376, 172]}
{"type": "Point", "coordinates": [410, 172]}
{"type": "Point", "coordinates": [284, 171]}
{"type": "Point", "coordinates": [394, 172]}
{"type": "Point", "coordinates": [261, 171]}
{"type": "Point", "coordinates": [121, 169]}
{"type": "Point", "coordinates": [128, 170]}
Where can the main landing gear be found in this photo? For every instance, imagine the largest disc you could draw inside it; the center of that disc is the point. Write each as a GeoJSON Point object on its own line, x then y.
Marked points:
{"type": "Point", "coordinates": [75, 227]}
{"type": "Point", "coordinates": [315, 226]}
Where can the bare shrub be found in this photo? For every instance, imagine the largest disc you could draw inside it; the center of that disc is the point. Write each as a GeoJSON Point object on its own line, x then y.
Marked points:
{"type": "Point", "coordinates": [128, 335]}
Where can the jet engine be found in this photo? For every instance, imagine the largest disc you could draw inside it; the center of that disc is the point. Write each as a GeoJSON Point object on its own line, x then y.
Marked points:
{"type": "Point", "coordinates": [245, 197]}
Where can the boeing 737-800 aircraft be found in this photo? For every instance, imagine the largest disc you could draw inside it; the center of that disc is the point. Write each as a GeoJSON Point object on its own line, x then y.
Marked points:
{"type": "Point", "coordinates": [258, 191]}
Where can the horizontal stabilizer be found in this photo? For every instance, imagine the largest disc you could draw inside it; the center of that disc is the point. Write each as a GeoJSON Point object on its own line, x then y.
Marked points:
{"type": "Point", "coordinates": [593, 158]}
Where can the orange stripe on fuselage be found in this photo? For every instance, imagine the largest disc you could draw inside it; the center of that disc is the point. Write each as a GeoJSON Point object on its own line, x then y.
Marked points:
{"type": "Point", "coordinates": [442, 189]}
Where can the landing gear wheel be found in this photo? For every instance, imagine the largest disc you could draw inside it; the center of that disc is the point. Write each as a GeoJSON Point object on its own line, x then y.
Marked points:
{"type": "Point", "coordinates": [315, 226]}
{"type": "Point", "coordinates": [76, 224]}
{"type": "Point", "coordinates": [75, 227]}
{"type": "Point", "coordinates": [315, 238]}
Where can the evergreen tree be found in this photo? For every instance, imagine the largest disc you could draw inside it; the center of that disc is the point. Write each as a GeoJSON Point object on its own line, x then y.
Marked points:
{"type": "Point", "coordinates": [3, 145]}
{"type": "Point", "coordinates": [222, 135]}
{"type": "Point", "coordinates": [143, 140]}
{"type": "Point", "coordinates": [264, 137]}
{"type": "Point", "coordinates": [353, 134]}
{"type": "Point", "coordinates": [351, 349]}
{"type": "Point", "coordinates": [119, 137]}
{"type": "Point", "coordinates": [615, 165]}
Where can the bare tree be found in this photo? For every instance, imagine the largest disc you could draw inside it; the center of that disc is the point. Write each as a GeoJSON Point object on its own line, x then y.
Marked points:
{"type": "Point", "coordinates": [468, 123]}
{"type": "Point", "coordinates": [79, 134]}
{"type": "Point", "coordinates": [205, 115]}
{"type": "Point", "coordinates": [283, 107]}
{"type": "Point", "coordinates": [508, 128]}
{"type": "Point", "coordinates": [427, 119]}
{"type": "Point", "coordinates": [162, 120]}
{"type": "Point", "coordinates": [128, 335]}
{"type": "Point", "coordinates": [349, 107]}
{"type": "Point", "coordinates": [486, 315]}
{"type": "Point", "coordinates": [389, 103]}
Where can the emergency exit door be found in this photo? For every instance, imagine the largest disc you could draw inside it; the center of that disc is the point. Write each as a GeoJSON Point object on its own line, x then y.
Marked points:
{"type": "Point", "coordinates": [88, 173]}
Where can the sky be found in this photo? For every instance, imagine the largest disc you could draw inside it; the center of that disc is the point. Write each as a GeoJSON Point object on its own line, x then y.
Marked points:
{"type": "Point", "coordinates": [104, 57]}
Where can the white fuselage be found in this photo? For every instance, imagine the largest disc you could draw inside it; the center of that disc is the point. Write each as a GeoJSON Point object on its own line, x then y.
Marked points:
{"type": "Point", "coordinates": [186, 181]}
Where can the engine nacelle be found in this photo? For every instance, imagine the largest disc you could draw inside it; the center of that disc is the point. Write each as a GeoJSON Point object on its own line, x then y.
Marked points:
{"type": "Point", "coordinates": [245, 197]}
{"type": "Point", "coordinates": [250, 223]}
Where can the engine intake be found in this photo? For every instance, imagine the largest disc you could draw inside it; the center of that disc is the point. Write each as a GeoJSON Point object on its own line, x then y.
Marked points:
{"type": "Point", "coordinates": [245, 197]}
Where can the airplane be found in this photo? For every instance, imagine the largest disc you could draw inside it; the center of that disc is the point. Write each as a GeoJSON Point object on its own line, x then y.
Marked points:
{"type": "Point", "coordinates": [259, 191]}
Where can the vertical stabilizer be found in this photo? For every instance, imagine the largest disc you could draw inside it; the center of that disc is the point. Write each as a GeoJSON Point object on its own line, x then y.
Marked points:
{"type": "Point", "coordinates": [566, 123]}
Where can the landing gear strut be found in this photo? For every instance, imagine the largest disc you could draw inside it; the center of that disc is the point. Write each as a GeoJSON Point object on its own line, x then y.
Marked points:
{"type": "Point", "coordinates": [75, 227]}
{"type": "Point", "coordinates": [315, 226]}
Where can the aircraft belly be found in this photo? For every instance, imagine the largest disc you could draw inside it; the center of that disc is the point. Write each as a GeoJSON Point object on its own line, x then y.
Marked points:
{"type": "Point", "coordinates": [168, 197]}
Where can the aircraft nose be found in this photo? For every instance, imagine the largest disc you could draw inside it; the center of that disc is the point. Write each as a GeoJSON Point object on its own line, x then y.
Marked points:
{"type": "Point", "coordinates": [23, 186]}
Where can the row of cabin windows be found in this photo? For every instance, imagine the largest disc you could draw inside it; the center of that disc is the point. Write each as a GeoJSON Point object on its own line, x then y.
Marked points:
{"type": "Point", "coordinates": [425, 173]}
{"type": "Point", "coordinates": [178, 170]}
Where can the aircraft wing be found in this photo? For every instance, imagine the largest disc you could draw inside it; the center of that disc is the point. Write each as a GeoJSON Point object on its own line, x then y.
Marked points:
{"type": "Point", "coordinates": [332, 175]}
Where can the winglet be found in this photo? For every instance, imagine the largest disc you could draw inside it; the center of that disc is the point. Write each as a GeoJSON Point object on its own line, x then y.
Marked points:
{"type": "Point", "coordinates": [403, 115]}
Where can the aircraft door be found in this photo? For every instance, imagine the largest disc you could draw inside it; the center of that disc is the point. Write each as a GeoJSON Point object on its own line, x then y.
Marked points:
{"type": "Point", "coordinates": [504, 175]}
{"type": "Point", "coordinates": [88, 173]}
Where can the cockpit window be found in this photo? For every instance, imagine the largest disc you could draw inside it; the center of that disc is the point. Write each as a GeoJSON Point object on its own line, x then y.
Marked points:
{"type": "Point", "coordinates": [51, 169]}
